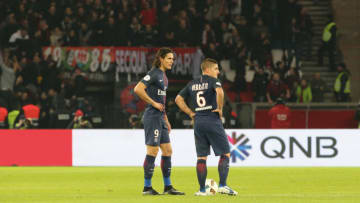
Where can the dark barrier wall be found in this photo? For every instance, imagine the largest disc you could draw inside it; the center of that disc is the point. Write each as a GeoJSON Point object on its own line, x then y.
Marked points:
{"type": "Point", "coordinates": [312, 119]}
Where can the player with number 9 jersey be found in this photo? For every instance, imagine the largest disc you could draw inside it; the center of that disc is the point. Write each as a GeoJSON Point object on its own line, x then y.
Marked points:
{"type": "Point", "coordinates": [152, 89]}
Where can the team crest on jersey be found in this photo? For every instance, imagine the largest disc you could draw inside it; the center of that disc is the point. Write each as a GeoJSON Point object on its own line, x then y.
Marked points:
{"type": "Point", "coordinates": [147, 77]}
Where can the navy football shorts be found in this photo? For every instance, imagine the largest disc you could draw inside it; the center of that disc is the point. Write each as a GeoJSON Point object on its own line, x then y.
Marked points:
{"type": "Point", "coordinates": [156, 131]}
{"type": "Point", "coordinates": [210, 132]}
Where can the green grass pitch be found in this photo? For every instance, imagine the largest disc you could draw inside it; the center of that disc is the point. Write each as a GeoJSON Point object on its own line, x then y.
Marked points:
{"type": "Point", "coordinates": [124, 184]}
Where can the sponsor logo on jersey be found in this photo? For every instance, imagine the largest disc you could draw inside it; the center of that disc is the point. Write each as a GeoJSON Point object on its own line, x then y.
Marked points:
{"type": "Point", "coordinates": [147, 77]}
{"type": "Point", "coordinates": [161, 92]}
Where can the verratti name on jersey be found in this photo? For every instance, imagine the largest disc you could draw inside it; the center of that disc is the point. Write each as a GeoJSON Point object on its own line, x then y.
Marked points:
{"type": "Point", "coordinates": [197, 87]}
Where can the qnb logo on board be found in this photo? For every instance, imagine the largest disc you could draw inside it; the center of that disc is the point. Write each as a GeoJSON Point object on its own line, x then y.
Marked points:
{"type": "Point", "coordinates": [238, 147]}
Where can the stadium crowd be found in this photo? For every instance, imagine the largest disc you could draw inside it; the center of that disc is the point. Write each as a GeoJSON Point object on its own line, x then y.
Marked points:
{"type": "Point", "coordinates": [237, 32]}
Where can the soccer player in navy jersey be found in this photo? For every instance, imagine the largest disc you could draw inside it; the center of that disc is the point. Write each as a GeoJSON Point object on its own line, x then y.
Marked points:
{"type": "Point", "coordinates": [152, 89]}
{"type": "Point", "coordinates": [207, 95]}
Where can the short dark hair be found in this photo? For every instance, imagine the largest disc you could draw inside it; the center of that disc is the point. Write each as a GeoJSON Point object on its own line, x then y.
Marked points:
{"type": "Point", "coordinates": [343, 65]}
{"type": "Point", "coordinates": [162, 52]}
{"type": "Point", "coordinates": [206, 63]}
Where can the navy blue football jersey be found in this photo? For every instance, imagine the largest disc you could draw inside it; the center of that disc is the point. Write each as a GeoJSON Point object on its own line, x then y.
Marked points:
{"type": "Point", "coordinates": [202, 94]}
{"type": "Point", "coordinates": [156, 85]}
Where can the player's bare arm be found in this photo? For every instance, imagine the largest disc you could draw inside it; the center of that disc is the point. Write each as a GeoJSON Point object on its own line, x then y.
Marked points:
{"type": "Point", "coordinates": [140, 91]}
{"type": "Point", "coordinates": [179, 100]}
{"type": "Point", "coordinates": [219, 100]}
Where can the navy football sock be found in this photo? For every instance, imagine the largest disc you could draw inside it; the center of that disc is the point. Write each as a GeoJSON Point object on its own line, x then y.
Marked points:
{"type": "Point", "coordinates": [223, 169]}
{"type": "Point", "coordinates": [201, 171]}
{"type": "Point", "coordinates": [149, 165]}
{"type": "Point", "coordinates": [166, 169]}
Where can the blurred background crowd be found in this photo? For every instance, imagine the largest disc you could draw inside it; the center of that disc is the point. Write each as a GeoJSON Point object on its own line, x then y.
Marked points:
{"type": "Point", "coordinates": [240, 34]}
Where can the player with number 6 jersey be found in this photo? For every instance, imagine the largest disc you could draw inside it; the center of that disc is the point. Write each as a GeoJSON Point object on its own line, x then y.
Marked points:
{"type": "Point", "coordinates": [152, 89]}
{"type": "Point", "coordinates": [207, 95]}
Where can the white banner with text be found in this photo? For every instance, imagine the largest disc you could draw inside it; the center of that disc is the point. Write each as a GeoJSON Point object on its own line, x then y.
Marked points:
{"type": "Point", "coordinates": [308, 148]}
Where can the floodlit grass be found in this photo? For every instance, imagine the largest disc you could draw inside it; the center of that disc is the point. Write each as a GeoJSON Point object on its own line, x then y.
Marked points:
{"type": "Point", "coordinates": [124, 184]}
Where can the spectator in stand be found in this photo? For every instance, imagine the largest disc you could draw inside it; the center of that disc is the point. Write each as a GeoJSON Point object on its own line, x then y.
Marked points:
{"type": "Point", "coordinates": [280, 115]}
{"type": "Point", "coordinates": [210, 51]}
{"type": "Point", "coordinates": [293, 46]}
{"type": "Point", "coordinates": [8, 70]}
{"type": "Point", "coordinates": [214, 9]}
{"type": "Point", "coordinates": [342, 84]}
{"type": "Point", "coordinates": [79, 121]}
{"type": "Point", "coordinates": [292, 80]}
{"type": "Point", "coordinates": [257, 13]}
{"type": "Point", "coordinates": [81, 14]}
{"type": "Point", "coordinates": [32, 71]}
{"type": "Point", "coordinates": [53, 17]}
{"type": "Point", "coordinates": [44, 32]}
{"type": "Point", "coordinates": [67, 24]}
{"type": "Point", "coordinates": [9, 27]}
{"type": "Point", "coordinates": [196, 22]}
{"type": "Point", "coordinates": [13, 114]}
{"type": "Point", "coordinates": [136, 32]}
{"type": "Point", "coordinates": [85, 34]}
{"type": "Point", "coordinates": [24, 123]}
{"type": "Point", "coordinates": [223, 33]}
{"type": "Point", "coordinates": [208, 35]}
{"type": "Point", "coordinates": [50, 76]}
{"type": "Point", "coordinates": [80, 81]}
{"type": "Point", "coordinates": [230, 117]}
{"type": "Point", "coordinates": [44, 113]}
{"type": "Point", "coordinates": [169, 39]}
{"type": "Point", "coordinates": [318, 88]}
{"type": "Point", "coordinates": [259, 29]}
{"type": "Point", "coordinates": [303, 92]}
{"type": "Point", "coordinates": [150, 36]}
{"type": "Point", "coordinates": [56, 37]}
{"type": "Point", "coordinates": [18, 38]}
{"type": "Point", "coordinates": [96, 25]}
{"type": "Point", "coordinates": [306, 31]}
{"type": "Point", "coordinates": [262, 49]}
{"type": "Point", "coordinates": [148, 14]}
{"type": "Point", "coordinates": [281, 68]}
{"type": "Point", "coordinates": [288, 10]}
{"type": "Point", "coordinates": [235, 7]}
{"type": "Point", "coordinates": [328, 43]}
{"type": "Point", "coordinates": [243, 28]}
{"type": "Point", "coordinates": [276, 88]}
{"type": "Point", "coordinates": [71, 38]}
{"type": "Point", "coordinates": [21, 11]}
{"type": "Point", "coordinates": [183, 34]}
{"type": "Point", "coordinates": [110, 32]}
{"type": "Point", "coordinates": [259, 85]}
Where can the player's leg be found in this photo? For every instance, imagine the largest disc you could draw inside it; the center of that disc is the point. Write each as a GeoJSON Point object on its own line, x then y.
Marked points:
{"type": "Point", "coordinates": [152, 141]}
{"type": "Point", "coordinates": [201, 171]}
{"type": "Point", "coordinates": [220, 145]}
{"type": "Point", "coordinates": [202, 151]}
{"type": "Point", "coordinates": [166, 151]}
{"type": "Point", "coordinates": [149, 165]}
{"type": "Point", "coordinates": [223, 168]}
